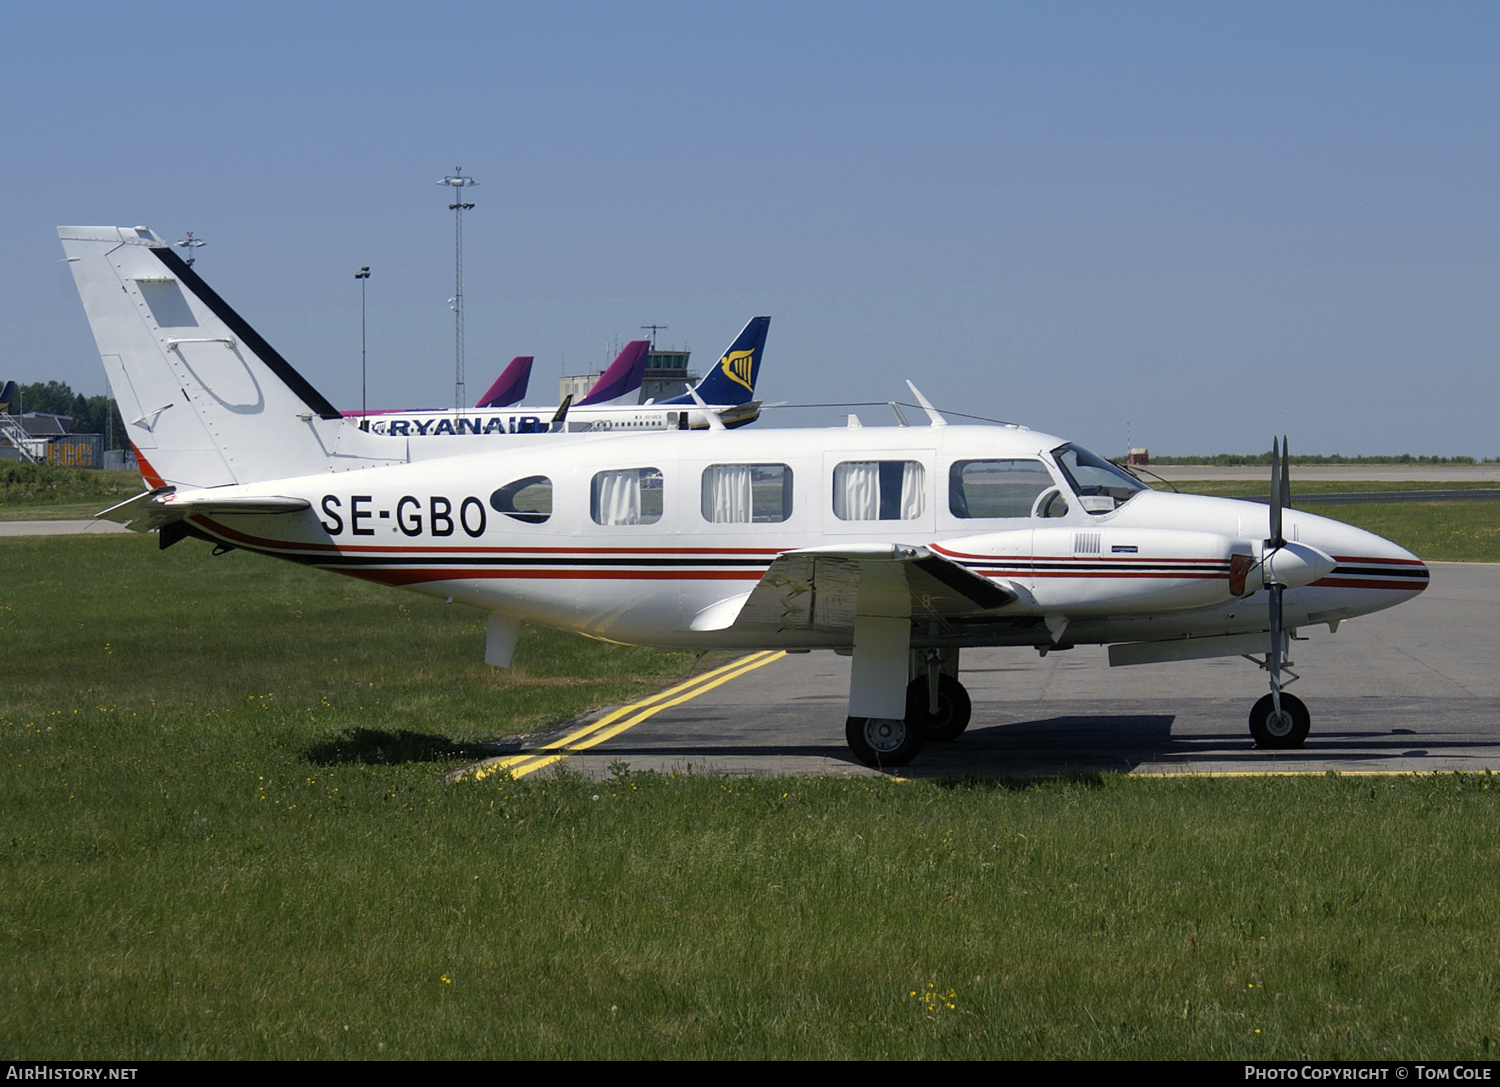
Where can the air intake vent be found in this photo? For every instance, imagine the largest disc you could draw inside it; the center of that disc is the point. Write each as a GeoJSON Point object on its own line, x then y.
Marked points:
{"type": "Point", "coordinates": [1085, 543]}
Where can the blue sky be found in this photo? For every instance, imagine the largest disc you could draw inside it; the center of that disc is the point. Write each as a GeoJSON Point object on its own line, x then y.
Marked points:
{"type": "Point", "coordinates": [1203, 223]}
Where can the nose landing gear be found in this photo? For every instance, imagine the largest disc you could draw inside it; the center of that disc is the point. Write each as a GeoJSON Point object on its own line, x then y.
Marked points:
{"type": "Point", "coordinates": [1279, 728]}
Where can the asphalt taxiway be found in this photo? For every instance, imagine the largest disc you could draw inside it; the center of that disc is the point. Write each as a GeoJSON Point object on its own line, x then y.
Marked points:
{"type": "Point", "coordinates": [1412, 689]}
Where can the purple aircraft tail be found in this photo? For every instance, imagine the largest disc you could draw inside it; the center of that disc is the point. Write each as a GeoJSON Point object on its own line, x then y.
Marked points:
{"type": "Point", "coordinates": [624, 375]}
{"type": "Point", "coordinates": [510, 387]}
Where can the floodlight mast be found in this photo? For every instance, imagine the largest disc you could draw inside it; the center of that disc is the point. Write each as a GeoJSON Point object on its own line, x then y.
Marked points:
{"type": "Point", "coordinates": [458, 182]}
{"type": "Point", "coordinates": [188, 244]}
{"type": "Point", "coordinates": [364, 409]}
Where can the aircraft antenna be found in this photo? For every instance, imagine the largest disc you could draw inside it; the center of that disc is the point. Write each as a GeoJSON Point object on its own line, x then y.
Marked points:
{"type": "Point", "coordinates": [458, 182]}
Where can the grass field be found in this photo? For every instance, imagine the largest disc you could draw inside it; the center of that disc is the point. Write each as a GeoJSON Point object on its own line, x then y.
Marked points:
{"type": "Point", "coordinates": [37, 492]}
{"type": "Point", "coordinates": [227, 835]}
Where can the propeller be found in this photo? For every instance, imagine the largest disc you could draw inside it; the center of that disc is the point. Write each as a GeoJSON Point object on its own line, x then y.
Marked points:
{"type": "Point", "coordinates": [1281, 497]}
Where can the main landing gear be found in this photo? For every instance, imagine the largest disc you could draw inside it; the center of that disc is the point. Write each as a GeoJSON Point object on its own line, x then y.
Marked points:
{"type": "Point", "coordinates": [937, 710]}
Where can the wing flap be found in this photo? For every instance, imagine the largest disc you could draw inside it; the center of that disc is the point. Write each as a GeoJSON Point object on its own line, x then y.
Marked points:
{"type": "Point", "coordinates": [825, 588]}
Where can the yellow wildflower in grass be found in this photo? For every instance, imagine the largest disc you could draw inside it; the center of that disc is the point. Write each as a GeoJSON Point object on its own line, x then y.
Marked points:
{"type": "Point", "coordinates": [934, 999]}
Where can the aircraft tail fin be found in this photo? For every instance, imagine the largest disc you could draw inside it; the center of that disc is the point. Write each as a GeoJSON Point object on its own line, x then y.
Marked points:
{"type": "Point", "coordinates": [732, 379]}
{"type": "Point", "coordinates": [510, 387]}
{"type": "Point", "coordinates": [205, 399]}
{"type": "Point", "coordinates": [623, 377]}
{"type": "Point", "coordinates": [9, 398]}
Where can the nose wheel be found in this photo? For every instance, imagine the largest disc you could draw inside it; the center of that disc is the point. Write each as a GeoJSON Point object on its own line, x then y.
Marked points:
{"type": "Point", "coordinates": [1283, 728]}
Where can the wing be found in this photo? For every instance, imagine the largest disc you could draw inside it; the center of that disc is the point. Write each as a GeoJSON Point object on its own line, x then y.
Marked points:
{"type": "Point", "coordinates": [825, 588]}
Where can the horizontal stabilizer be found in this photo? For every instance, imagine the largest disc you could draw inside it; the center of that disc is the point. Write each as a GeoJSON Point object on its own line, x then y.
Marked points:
{"type": "Point", "coordinates": [152, 510]}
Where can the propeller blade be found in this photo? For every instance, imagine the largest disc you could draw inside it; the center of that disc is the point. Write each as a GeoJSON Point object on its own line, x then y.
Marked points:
{"type": "Point", "coordinates": [1286, 475]}
{"type": "Point", "coordinates": [1276, 489]}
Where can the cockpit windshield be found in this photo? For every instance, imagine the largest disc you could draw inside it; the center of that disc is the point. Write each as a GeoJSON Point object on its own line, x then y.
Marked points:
{"type": "Point", "coordinates": [1099, 485]}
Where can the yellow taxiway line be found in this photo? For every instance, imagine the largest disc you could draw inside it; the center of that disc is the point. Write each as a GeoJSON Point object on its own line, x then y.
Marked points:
{"type": "Point", "coordinates": [617, 721]}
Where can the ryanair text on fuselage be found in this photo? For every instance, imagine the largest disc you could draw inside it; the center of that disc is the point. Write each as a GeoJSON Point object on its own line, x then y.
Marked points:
{"type": "Point", "coordinates": [459, 424]}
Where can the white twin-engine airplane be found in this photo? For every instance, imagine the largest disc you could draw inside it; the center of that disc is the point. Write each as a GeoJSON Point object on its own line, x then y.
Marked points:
{"type": "Point", "coordinates": [900, 545]}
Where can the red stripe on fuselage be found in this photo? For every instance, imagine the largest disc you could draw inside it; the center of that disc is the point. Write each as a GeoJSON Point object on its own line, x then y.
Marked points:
{"type": "Point", "coordinates": [1406, 585]}
{"type": "Point", "coordinates": [418, 577]}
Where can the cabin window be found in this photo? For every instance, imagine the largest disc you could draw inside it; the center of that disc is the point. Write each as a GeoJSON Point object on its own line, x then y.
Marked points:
{"type": "Point", "coordinates": [996, 488]}
{"type": "Point", "coordinates": [528, 499]}
{"type": "Point", "coordinates": [879, 490]}
{"type": "Point", "coordinates": [746, 493]}
{"type": "Point", "coordinates": [627, 496]}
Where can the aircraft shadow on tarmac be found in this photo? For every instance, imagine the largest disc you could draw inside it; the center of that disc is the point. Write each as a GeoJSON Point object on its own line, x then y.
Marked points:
{"type": "Point", "coordinates": [1082, 743]}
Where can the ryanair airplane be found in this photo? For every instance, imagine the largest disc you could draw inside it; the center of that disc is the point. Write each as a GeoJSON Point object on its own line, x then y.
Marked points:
{"type": "Point", "coordinates": [727, 392]}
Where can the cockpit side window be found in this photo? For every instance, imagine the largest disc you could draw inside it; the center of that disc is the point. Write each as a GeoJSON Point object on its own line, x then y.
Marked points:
{"type": "Point", "coordinates": [1099, 485]}
{"type": "Point", "coordinates": [996, 488]}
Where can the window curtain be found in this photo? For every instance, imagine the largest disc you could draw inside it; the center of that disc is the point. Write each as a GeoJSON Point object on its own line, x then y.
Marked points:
{"type": "Point", "coordinates": [617, 497]}
{"type": "Point", "coordinates": [727, 494]}
{"type": "Point", "coordinates": [913, 490]}
{"type": "Point", "coordinates": [856, 491]}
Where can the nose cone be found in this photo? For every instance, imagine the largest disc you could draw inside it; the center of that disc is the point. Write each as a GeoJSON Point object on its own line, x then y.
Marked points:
{"type": "Point", "coordinates": [1363, 560]}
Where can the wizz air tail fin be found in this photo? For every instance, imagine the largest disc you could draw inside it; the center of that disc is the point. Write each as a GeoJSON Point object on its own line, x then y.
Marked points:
{"type": "Point", "coordinates": [623, 377]}
{"type": "Point", "coordinates": [732, 379]}
{"type": "Point", "coordinates": [510, 387]}
{"type": "Point", "coordinates": [206, 401]}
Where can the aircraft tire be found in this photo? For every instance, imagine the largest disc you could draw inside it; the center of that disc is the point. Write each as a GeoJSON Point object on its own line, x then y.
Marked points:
{"type": "Point", "coordinates": [1288, 732]}
{"type": "Point", "coordinates": [954, 709]}
{"type": "Point", "coordinates": [883, 741]}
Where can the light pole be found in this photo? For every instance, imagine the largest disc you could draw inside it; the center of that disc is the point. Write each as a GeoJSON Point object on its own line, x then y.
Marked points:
{"type": "Point", "coordinates": [362, 275]}
{"type": "Point", "coordinates": [188, 244]}
{"type": "Point", "coordinates": [458, 182]}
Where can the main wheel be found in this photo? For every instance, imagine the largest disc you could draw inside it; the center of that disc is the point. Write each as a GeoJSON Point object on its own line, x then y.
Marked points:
{"type": "Point", "coordinates": [1286, 729]}
{"type": "Point", "coordinates": [954, 708]}
{"type": "Point", "coordinates": [883, 741]}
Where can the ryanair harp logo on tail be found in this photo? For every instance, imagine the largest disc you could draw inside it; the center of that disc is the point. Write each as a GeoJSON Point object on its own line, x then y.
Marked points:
{"type": "Point", "coordinates": [738, 367]}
